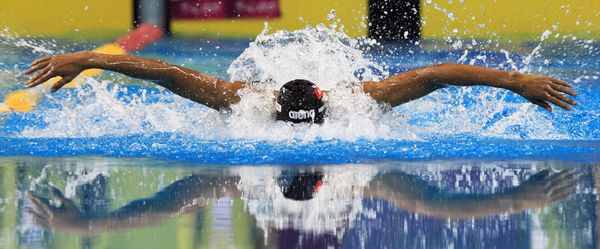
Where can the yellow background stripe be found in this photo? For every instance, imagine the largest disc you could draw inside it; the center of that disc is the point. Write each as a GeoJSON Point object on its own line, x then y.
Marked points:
{"type": "Point", "coordinates": [507, 19]}
{"type": "Point", "coordinates": [511, 19]}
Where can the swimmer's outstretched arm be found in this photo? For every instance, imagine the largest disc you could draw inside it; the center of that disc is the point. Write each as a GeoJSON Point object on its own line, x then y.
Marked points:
{"type": "Point", "coordinates": [411, 85]}
{"type": "Point", "coordinates": [204, 89]}
{"type": "Point", "coordinates": [187, 195]}
{"type": "Point", "coordinates": [415, 195]}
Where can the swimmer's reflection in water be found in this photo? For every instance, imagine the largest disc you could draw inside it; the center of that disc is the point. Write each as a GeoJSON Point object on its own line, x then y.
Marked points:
{"type": "Point", "coordinates": [316, 203]}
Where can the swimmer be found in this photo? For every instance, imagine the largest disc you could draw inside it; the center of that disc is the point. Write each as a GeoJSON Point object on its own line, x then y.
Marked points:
{"type": "Point", "coordinates": [301, 100]}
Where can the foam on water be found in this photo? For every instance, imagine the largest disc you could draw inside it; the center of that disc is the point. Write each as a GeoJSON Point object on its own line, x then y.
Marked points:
{"type": "Point", "coordinates": [97, 110]}
{"type": "Point", "coordinates": [320, 54]}
{"type": "Point", "coordinates": [336, 204]}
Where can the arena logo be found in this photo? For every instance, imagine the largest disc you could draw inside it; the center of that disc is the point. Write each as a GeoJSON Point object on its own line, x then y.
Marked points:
{"type": "Point", "coordinates": [302, 114]}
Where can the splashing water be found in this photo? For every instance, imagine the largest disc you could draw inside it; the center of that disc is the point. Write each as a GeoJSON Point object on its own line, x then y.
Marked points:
{"type": "Point", "coordinates": [12, 40]}
{"type": "Point", "coordinates": [98, 110]}
{"type": "Point", "coordinates": [103, 118]}
{"type": "Point", "coordinates": [323, 55]}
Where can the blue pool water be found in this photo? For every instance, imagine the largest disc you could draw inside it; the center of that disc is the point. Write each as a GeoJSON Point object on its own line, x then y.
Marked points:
{"type": "Point", "coordinates": [129, 120]}
{"type": "Point", "coordinates": [141, 203]}
{"type": "Point", "coordinates": [460, 168]}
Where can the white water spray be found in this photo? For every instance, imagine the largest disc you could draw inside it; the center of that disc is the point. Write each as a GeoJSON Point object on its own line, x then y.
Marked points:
{"type": "Point", "coordinates": [323, 55]}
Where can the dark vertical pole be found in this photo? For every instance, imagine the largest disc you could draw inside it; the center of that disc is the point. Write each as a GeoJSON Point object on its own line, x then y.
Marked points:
{"type": "Point", "coordinates": [398, 20]}
{"type": "Point", "coordinates": [167, 13]}
{"type": "Point", "coordinates": [137, 13]}
{"type": "Point", "coordinates": [157, 12]}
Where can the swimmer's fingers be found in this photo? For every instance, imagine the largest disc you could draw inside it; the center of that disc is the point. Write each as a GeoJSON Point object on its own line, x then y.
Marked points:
{"type": "Point", "coordinates": [541, 103]}
{"type": "Point", "coordinates": [48, 75]}
{"type": "Point", "coordinates": [66, 203]}
{"type": "Point", "coordinates": [563, 193]}
{"type": "Point", "coordinates": [564, 189]}
{"type": "Point", "coordinates": [562, 97]}
{"type": "Point", "coordinates": [565, 177]}
{"type": "Point", "coordinates": [563, 89]}
{"type": "Point", "coordinates": [60, 84]}
{"type": "Point", "coordinates": [33, 81]}
{"type": "Point", "coordinates": [551, 96]}
{"type": "Point", "coordinates": [40, 60]}
{"type": "Point", "coordinates": [36, 67]}
{"type": "Point", "coordinates": [41, 204]}
{"type": "Point", "coordinates": [560, 82]}
{"type": "Point", "coordinates": [38, 64]}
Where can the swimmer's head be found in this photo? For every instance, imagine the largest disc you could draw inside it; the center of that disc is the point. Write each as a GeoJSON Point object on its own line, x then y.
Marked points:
{"type": "Point", "coordinates": [300, 101]}
{"type": "Point", "coordinates": [300, 186]}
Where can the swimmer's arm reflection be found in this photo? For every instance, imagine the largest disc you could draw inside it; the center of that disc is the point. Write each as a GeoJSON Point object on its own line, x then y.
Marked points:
{"type": "Point", "coordinates": [414, 84]}
{"type": "Point", "coordinates": [196, 86]}
{"type": "Point", "coordinates": [415, 195]}
{"type": "Point", "coordinates": [184, 196]}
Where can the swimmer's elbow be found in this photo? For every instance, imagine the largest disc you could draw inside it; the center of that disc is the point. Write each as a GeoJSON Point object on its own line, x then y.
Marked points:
{"type": "Point", "coordinates": [432, 77]}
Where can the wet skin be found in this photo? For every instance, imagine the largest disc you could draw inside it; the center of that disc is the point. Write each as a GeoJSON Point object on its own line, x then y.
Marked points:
{"type": "Point", "coordinates": [405, 191]}
{"type": "Point", "coordinates": [219, 94]}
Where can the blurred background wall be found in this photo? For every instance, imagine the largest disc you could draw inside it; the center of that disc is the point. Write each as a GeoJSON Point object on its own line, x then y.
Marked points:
{"type": "Point", "coordinates": [295, 14]}
{"type": "Point", "coordinates": [506, 19]}
{"type": "Point", "coordinates": [510, 19]}
{"type": "Point", "coordinates": [66, 18]}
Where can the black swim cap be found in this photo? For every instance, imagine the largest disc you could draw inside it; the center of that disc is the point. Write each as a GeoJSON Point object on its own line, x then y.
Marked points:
{"type": "Point", "coordinates": [300, 101]}
{"type": "Point", "coordinates": [300, 186]}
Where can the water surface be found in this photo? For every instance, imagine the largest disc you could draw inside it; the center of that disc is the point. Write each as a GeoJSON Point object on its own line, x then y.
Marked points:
{"type": "Point", "coordinates": [141, 203]}
{"type": "Point", "coordinates": [115, 116]}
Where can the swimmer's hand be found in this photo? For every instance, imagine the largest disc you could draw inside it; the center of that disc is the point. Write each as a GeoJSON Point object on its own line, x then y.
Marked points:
{"type": "Point", "coordinates": [542, 90]}
{"type": "Point", "coordinates": [413, 84]}
{"type": "Point", "coordinates": [67, 66]}
{"type": "Point", "coordinates": [543, 189]}
{"type": "Point", "coordinates": [188, 83]}
{"type": "Point", "coordinates": [66, 216]}
{"type": "Point", "coordinates": [415, 195]}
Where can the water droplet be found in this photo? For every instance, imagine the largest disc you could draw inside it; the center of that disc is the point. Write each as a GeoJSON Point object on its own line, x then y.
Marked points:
{"type": "Point", "coordinates": [331, 15]}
